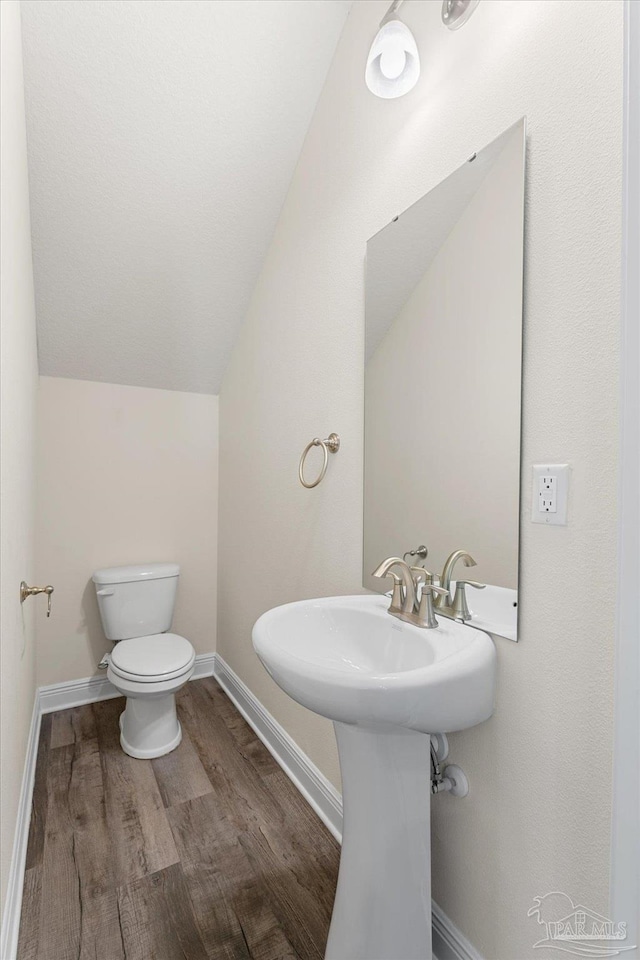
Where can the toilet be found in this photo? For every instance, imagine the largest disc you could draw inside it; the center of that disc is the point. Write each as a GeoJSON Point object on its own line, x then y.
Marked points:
{"type": "Point", "coordinates": [148, 665]}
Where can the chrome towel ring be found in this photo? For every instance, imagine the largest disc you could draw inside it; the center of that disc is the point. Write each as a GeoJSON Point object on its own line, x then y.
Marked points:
{"type": "Point", "coordinates": [330, 445]}
{"type": "Point", "coordinates": [420, 551]}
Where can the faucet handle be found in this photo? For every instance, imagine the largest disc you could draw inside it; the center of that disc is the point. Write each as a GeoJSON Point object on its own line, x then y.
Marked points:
{"type": "Point", "coordinates": [432, 588]}
{"type": "Point", "coordinates": [422, 574]}
{"type": "Point", "coordinates": [419, 574]}
{"type": "Point", "coordinates": [426, 615]}
{"type": "Point", "coordinates": [460, 607]}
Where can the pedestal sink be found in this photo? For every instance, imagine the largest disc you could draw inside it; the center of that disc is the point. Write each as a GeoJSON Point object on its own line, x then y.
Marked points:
{"type": "Point", "coordinates": [386, 685]}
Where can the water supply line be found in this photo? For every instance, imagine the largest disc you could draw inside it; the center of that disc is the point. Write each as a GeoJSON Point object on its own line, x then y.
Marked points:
{"type": "Point", "coordinates": [439, 783]}
{"type": "Point", "coordinates": [450, 780]}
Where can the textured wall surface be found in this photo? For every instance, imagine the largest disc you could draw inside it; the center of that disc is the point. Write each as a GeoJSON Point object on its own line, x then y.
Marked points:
{"type": "Point", "coordinates": [162, 140]}
{"type": "Point", "coordinates": [537, 818]}
{"type": "Point", "coordinates": [19, 380]}
{"type": "Point", "coordinates": [125, 475]}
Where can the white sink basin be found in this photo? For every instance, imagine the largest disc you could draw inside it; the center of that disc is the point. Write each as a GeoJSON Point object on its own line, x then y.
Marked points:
{"type": "Point", "coordinates": [347, 659]}
{"type": "Point", "coordinates": [386, 685]}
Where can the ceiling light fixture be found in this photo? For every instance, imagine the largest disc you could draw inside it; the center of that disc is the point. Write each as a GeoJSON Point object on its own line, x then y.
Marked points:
{"type": "Point", "coordinates": [393, 64]}
{"type": "Point", "coordinates": [455, 13]}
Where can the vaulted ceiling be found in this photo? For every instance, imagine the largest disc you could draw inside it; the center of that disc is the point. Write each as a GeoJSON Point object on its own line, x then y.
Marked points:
{"type": "Point", "coordinates": [400, 254]}
{"type": "Point", "coordinates": [162, 139]}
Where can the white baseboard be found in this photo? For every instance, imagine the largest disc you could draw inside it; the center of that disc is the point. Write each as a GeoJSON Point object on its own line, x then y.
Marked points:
{"type": "Point", "coordinates": [74, 693]}
{"type": "Point", "coordinates": [15, 883]}
{"type": "Point", "coordinates": [55, 696]}
{"type": "Point", "coordinates": [205, 666]}
{"type": "Point", "coordinates": [448, 942]}
{"type": "Point", "coordinates": [313, 785]}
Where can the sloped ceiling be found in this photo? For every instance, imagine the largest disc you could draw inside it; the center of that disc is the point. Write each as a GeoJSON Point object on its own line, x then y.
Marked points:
{"type": "Point", "coordinates": [162, 138]}
{"type": "Point", "coordinates": [400, 254]}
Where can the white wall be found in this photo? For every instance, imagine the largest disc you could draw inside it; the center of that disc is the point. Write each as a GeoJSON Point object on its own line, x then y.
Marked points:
{"type": "Point", "coordinates": [125, 475]}
{"type": "Point", "coordinates": [452, 358]}
{"type": "Point", "coordinates": [538, 815]}
{"type": "Point", "coordinates": [151, 216]}
{"type": "Point", "coordinates": [18, 378]}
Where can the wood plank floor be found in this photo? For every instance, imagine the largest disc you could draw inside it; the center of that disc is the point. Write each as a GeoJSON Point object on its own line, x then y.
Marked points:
{"type": "Point", "coordinates": [208, 853]}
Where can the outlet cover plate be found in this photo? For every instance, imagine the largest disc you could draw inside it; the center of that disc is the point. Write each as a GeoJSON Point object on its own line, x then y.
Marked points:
{"type": "Point", "coordinates": [550, 493]}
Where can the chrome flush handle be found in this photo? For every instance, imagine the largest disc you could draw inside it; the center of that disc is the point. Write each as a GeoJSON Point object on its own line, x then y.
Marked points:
{"type": "Point", "coordinates": [27, 591]}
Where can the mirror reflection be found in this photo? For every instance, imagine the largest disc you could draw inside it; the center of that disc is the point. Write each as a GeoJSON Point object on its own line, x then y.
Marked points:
{"type": "Point", "coordinates": [443, 387]}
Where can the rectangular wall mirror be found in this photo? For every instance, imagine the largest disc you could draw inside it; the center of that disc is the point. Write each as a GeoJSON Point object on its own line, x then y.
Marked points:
{"type": "Point", "coordinates": [443, 382]}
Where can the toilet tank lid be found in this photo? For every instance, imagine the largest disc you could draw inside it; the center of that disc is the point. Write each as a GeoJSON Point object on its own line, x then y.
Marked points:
{"type": "Point", "coordinates": [130, 574]}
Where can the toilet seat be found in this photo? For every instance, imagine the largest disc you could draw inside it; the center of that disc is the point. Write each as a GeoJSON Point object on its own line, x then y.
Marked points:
{"type": "Point", "coordinates": [152, 659]}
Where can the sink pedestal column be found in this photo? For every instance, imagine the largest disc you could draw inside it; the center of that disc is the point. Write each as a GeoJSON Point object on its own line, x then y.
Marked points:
{"type": "Point", "coordinates": [382, 909]}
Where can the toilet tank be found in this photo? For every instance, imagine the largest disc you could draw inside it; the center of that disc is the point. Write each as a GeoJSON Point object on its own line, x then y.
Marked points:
{"type": "Point", "coordinates": [136, 601]}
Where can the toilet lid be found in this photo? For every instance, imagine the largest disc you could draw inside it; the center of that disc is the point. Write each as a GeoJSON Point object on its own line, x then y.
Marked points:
{"type": "Point", "coordinates": [161, 656]}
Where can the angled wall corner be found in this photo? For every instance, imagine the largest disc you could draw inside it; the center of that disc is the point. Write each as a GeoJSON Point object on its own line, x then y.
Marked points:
{"type": "Point", "coordinates": [297, 369]}
{"type": "Point", "coordinates": [19, 383]}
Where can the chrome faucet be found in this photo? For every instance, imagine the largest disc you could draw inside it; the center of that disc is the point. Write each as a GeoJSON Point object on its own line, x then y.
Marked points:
{"type": "Point", "coordinates": [404, 600]}
{"type": "Point", "coordinates": [456, 608]}
{"type": "Point", "coordinates": [447, 570]}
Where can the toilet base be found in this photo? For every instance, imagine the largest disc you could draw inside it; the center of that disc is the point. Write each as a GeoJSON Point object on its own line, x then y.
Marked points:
{"type": "Point", "coordinates": [150, 728]}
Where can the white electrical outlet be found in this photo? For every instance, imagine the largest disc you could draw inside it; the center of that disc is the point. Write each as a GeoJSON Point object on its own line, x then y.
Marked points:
{"type": "Point", "coordinates": [550, 493]}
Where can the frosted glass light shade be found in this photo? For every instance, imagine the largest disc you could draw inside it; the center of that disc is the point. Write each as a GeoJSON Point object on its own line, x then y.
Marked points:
{"type": "Point", "coordinates": [455, 13]}
{"type": "Point", "coordinates": [393, 64]}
